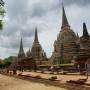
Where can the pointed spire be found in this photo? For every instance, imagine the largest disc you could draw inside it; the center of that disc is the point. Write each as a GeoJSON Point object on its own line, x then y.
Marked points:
{"type": "Point", "coordinates": [29, 53]}
{"type": "Point", "coordinates": [77, 39]}
{"type": "Point", "coordinates": [36, 36]}
{"type": "Point", "coordinates": [77, 35]}
{"type": "Point", "coordinates": [21, 45]}
{"type": "Point", "coordinates": [21, 51]}
{"type": "Point", "coordinates": [64, 18]}
{"type": "Point", "coordinates": [85, 32]}
{"type": "Point", "coordinates": [29, 50]}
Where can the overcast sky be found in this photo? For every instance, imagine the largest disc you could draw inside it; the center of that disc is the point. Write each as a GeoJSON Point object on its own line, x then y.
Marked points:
{"type": "Point", "coordinates": [22, 16]}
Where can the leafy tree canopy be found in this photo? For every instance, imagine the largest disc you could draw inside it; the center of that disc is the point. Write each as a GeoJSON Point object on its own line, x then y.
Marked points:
{"type": "Point", "coordinates": [7, 62]}
{"type": "Point", "coordinates": [2, 12]}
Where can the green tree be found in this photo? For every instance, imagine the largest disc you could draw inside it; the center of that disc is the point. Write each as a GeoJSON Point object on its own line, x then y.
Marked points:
{"type": "Point", "coordinates": [0, 63]}
{"type": "Point", "coordinates": [2, 13]}
{"type": "Point", "coordinates": [8, 61]}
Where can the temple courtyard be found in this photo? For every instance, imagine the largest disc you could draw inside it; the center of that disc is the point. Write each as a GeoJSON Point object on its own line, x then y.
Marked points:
{"type": "Point", "coordinates": [15, 83]}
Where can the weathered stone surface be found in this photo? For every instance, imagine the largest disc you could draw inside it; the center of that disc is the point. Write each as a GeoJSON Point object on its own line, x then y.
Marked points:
{"type": "Point", "coordinates": [65, 45]}
{"type": "Point", "coordinates": [37, 53]}
{"type": "Point", "coordinates": [69, 45]}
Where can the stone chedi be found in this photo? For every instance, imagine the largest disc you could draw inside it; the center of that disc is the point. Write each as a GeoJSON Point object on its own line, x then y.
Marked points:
{"type": "Point", "coordinates": [83, 52]}
{"type": "Point", "coordinates": [65, 47]}
{"type": "Point", "coordinates": [21, 53]}
{"type": "Point", "coordinates": [37, 53]}
{"type": "Point", "coordinates": [84, 45]}
{"type": "Point", "coordinates": [85, 39]}
{"type": "Point", "coordinates": [35, 56]}
{"type": "Point", "coordinates": [24, 61]}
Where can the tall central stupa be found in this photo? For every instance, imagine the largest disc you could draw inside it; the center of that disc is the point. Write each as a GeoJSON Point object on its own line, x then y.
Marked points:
{"type": "Point", "coordinates": [65, 47]}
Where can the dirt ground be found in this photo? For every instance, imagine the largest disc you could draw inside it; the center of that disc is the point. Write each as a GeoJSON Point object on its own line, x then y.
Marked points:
{"type": "Point", "coordinates": [10, 83]}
